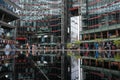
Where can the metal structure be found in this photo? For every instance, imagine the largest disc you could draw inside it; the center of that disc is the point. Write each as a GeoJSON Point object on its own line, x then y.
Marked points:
{"type": "Point", "coordinates": [37, 15]}
{"type": "Point", "coordinates": [8, 17]}
{"type": "Point", "coordinates": [100, 22]}
{"type": "Point", "coordinates": [64, 30]}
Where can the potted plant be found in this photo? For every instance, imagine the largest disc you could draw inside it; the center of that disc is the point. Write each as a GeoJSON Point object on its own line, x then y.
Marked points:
{"type": "Point", "coordinates": [77, 43]}
{"type": "Point", "coordinates": [117, 43]}
{"type": "Point", "coordinates": [69, 46]}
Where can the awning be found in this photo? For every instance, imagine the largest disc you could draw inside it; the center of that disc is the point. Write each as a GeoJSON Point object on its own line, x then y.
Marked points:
{"type": "Point", "coordinates": [21, 38]}
{"type": "Point", "coordinates": [73, 8]}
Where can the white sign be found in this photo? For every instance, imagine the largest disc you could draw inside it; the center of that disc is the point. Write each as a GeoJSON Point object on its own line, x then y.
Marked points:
{"type": "Point", "coordinates": [75, 28]}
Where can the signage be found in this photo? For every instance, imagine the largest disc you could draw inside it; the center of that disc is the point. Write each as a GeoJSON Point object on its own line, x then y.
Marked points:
{"type": "Point", "coordinates": [76, 27]}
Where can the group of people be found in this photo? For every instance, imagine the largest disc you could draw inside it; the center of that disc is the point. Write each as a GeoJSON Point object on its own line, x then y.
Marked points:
{"type": "Point", "coordinates": [31, 49]}
{"type": "Point", "coordinates": [28, 49]}
{"type": "Point", "coordinates": [100, 49]}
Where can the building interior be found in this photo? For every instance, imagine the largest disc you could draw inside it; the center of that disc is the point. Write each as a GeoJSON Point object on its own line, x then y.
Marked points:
{"type": "Point", "coordinates": [59, 39]}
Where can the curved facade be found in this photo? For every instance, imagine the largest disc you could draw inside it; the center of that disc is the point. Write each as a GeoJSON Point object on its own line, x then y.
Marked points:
{"type": "Point", "coordinates": [101, 27]}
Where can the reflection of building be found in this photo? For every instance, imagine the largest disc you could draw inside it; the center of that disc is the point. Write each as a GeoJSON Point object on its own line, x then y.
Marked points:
{"type": "Point", "coordinates": [100, 20]}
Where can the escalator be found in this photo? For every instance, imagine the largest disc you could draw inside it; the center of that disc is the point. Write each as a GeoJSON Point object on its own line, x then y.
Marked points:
{"type": "Point", "coordinates": [32, 68]}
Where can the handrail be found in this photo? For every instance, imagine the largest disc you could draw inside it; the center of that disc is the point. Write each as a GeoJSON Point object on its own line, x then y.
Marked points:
{"type": "Point", "coordinates": [35, 64]}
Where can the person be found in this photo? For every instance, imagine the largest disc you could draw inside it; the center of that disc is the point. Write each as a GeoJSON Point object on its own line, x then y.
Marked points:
{"type": "Point", "coordinates": [7, 50]}
{"type": "Point", "coordinates": [13, 49]}
{"type": "Point", "coordinates": [28, 49]}
{"type": "Point", "coordinates": [34, 48]}
{"type": "Point", "coordinates": [96, 52]}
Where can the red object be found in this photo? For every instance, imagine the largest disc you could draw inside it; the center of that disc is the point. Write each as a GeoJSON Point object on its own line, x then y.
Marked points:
{"type": "Point", "coordinates": [74, 8]}
{"type": "Point", "coordinates": [19, 61]}
{"type": "Point", "coordinates": [98, 74]}
{"type": "Point", "coordinates": [21, 38]}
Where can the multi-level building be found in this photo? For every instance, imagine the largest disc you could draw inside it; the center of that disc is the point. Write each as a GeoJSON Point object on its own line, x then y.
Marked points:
{"type": "Point", "coordinates": [8, 16]}
{"type": "Point", "coordinates": [101, 26]}
{"type": "Point", "coordinates": [35, 17]}
{"type": "Point", "coordinates": [38, 16]}
{"type": "Point", "coordinates": [35, 27]}
{"type": "Point", "coordinates": [41, 18]}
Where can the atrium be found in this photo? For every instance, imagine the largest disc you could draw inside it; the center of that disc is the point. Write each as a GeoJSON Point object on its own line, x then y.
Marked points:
{"type": "Point", "coordinates": [59, 39]}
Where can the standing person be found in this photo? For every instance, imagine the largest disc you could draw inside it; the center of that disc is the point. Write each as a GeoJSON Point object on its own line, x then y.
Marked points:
{"type": "Point", "coordinates": [109, 49]}
{"type": "Point", "coordinates": [28, 49]}
{"type": "Point", "coordinates": [7, 50]}
{"type": "Point", "coordinates": [34, 48]}
{"type": "Point", "coordinates": [96, 51]}
{"type": "Point", "coordinates": [13, 49]}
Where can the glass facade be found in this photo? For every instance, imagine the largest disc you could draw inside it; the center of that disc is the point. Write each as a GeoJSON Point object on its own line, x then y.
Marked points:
{"type": "Point", "coordinates": [101, 28]}
{"type": "Point", "coordinates": [8, 13]}
{"type": "Point", "coordinates": [9, 7]}
{"type": "Point", "coordinates": [101, 16]}
{"type": "Point", "coordinates": [37, 14]}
